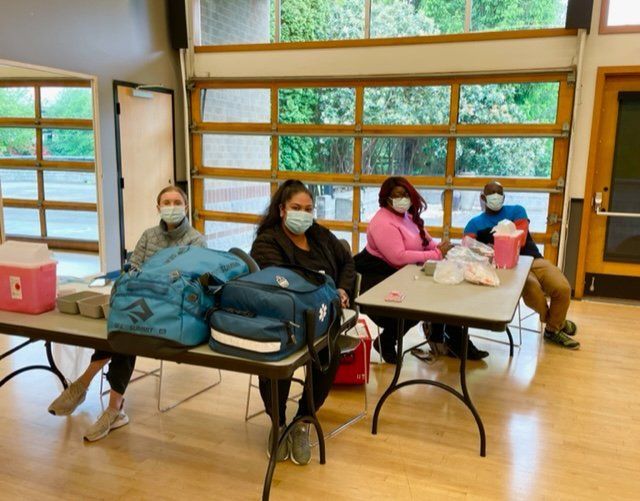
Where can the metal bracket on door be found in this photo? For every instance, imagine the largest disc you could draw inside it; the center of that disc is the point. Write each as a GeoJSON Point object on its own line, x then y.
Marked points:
{"type": "Point", "coordinates": [597, 206]}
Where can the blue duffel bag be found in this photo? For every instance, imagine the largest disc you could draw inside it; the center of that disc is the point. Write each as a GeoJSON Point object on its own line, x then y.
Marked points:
{"type": "Point", "coordinates": [164, 305]}
{"type": "Point", "coordinates": [273, 313]}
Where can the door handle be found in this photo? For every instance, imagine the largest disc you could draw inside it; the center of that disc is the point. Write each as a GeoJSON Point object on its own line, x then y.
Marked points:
{"type": "Point", "coordinates": [597, 205]}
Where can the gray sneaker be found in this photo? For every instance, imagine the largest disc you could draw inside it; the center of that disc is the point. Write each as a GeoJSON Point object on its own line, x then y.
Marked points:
{"type": "Point", "coordinates": [300, 446]}
{"type": "Point", "coordinates": [68, 400]}
{"type": "Point", "coordinates": [110, 420]}
{"type": "Point", "coordinates": [561, 338]}
{"type": "Point", "coordinates": [569, 328]}
{"type": "Point", "coordinates": [283, 450]}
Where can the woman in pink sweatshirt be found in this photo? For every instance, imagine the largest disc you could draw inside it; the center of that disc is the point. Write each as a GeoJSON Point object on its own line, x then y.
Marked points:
{"type": "Point", "coordinates": [396, 237]}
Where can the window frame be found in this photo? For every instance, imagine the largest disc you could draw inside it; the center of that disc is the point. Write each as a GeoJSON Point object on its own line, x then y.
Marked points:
{"type": "Point", "coordinates": [604, 27]}
{"type": "Point", "coordinates": [466, 36]}
{"type": "Point", "coordinates": [40, 165]}
{"type": "Point", "coordinates": [452, 131]}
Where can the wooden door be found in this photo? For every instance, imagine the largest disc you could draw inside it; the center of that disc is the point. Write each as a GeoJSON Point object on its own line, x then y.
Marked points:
{"type": "Point", "coordinates": [612, 264]}
{"type": "Point", "coordinates": [147, 161]}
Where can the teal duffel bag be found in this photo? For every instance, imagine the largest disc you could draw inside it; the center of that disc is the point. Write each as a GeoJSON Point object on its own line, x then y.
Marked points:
{"type": "Point", "coordinates": [163, 306]}
{"type": "Point", "coordinates": [274, 312]}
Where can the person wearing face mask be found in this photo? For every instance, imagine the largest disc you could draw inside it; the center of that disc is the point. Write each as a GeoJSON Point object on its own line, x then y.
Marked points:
{"type": "Point", "coordinates": [174, 230]}
{"type": "Point", "coordinates": [288, 235]}
{"type": "Point", "coordinates": [396, 237]}
{"type": "Point", "coordinates": [544, 279]}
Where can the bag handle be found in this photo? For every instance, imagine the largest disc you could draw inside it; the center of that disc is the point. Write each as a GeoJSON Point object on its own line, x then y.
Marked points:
{"type": "Point", "coordinates": [315, 277]}
{"type": "Point", "coordinates": [332, 334]}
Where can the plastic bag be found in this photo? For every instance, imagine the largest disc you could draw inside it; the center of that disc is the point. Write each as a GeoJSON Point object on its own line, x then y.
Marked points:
{"type": "Point", "coordinates": [465, 255]}
{"type": "Point", "coordinates": [448, 272]}
{"type": "Point", "coordinates": [482, 274]}
{"type": "Point", "coordinates": [504, 227]}
{"type": "Point", "coordinates": [477, 247]}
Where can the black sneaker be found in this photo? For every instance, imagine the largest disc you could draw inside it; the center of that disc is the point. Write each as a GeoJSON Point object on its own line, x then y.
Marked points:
{"type": "Point", "coordinates": [473, 353]}
{"type": "Point", "coordinates": [389, 354]}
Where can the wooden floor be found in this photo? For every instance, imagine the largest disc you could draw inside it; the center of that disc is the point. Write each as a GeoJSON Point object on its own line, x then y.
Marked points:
{"type": "Point", "coordinates": [560, 425]}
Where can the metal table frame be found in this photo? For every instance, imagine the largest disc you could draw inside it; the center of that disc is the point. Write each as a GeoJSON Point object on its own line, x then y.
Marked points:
{"type": "Point", "coordinates": [371, 303]}
{"type": "Point", "coordinates": [90, 333]}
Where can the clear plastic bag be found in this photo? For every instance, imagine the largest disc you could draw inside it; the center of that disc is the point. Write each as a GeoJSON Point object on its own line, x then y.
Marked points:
{"type": "Point", "coordinates": [482, 274]}
{"type": "Point", "coordinates": [448, 272]}
{"type": "Point", "coordinates": [477, 247]}
{"type": "Point", "coordinates": [465, 255]}
{"type": "Point", "coordinates": [504, 227]}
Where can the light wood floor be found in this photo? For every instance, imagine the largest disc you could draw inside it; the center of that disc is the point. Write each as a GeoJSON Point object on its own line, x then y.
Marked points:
{"type": "Point", "coordinates": [560, 425]}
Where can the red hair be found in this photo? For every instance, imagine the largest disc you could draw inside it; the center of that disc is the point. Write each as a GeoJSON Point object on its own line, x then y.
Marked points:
{"type": "Point", "coordinates": [418, 204]}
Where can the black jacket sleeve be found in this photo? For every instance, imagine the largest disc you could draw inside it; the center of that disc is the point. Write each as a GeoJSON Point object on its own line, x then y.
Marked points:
{"type": "Point", "coordinates": [345, 266]}
{"type": "Point", "coordinates": [267, 252]}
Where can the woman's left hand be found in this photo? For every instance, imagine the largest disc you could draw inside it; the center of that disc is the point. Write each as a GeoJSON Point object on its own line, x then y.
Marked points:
{"type": "Point", "coordinates": [344, 298]}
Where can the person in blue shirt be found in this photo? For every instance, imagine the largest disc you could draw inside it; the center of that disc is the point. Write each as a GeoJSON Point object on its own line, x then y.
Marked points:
{"type": "Point", "coordinates": [544, 279]}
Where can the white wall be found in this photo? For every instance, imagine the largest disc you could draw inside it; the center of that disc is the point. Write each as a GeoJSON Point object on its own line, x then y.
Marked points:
{"type": "Point", "coordinates": [600, 50]}
{"type": "Point", "coordinates": [113, 40]}
{"type": "Point", "coordinates": [499, 55]}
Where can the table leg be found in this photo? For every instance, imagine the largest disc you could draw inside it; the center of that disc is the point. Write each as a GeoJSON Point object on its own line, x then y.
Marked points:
{"type": "Point", "coordinates": [462, 396]}
{"type": "Point", "coordinates": [276, 439]}
{"type": "Point", "coordinates": [311, 405]}
{"type": "Point", "coordinates": [392, 387]}
{"type": "Point", "coordinates": [510, 341]}
{"type": "Point", "coordinates": [52, 367]}
{"type": "Point", "coordinates": [52, 364]}
{"type": "Point", "coordinates": [465, 392]}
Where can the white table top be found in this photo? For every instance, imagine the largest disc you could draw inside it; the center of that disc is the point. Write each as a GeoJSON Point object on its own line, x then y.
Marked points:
{"type": "Point", "coordinates": [462, 304]}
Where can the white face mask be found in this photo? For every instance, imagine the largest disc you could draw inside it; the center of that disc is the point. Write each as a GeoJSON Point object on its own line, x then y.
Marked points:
{"type": "Point", "coordinates": [172, 214]}
{"type": "Point", "coordinates": [401, 205]}
{"type": "Point", "coordinates": [495, 201]}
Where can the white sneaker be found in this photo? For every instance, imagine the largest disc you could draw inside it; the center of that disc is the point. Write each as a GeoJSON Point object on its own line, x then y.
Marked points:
{"type": "Point", "coordinates": [110, 420]}
{"type": "Point", "coordinates": [68, 400]}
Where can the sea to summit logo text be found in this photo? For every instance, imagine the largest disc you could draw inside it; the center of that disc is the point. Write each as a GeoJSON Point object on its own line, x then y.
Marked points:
{"type": "Point", "coordinates": [139, 310]}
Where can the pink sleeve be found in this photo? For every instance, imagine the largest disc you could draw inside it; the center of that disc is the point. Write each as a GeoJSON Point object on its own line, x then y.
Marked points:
{"type": "Point", "coordinates": [433, 245]}
{"type": "Point", "coordinates": [389, 243]}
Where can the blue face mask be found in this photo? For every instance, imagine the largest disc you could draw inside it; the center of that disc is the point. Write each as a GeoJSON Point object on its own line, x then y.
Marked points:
{"type": "Point", "coordinates": [298, 221]}
{"type": "Point", "coordinates": [495, 201]}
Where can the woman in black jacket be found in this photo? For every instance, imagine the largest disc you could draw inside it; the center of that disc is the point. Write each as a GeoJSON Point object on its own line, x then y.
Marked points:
{"type": "Point", "coordinates": [288, 235]}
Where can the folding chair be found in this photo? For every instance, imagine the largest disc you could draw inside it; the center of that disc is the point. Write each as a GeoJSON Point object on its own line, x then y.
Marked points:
{"type": "Point", "coordinates": [519, 326]}
{"type": "Point", "coordinates": [159, 373]}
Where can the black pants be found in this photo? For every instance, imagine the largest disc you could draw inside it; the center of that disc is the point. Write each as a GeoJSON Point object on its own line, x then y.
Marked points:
{"type": "Point", "coordinates": [389, 334]}
{"type": "Point", "coordinates": [120, 369]}
{"type": "Point", "coordinates": [453, 334]}
{"type": "Point", "coordinates": [322, 383]}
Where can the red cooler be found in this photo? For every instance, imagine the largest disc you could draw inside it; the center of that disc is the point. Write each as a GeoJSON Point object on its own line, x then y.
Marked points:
{"type": "Point", "coordinates": [27, 278]}
{"type": "Point", "coordinates": [354, 367]}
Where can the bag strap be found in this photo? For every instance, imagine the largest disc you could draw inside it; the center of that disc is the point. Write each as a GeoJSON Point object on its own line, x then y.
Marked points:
{"type": "Point", "coordinates": [315, 277]}
{"type": "Point", "coordinates": [332, 334]}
